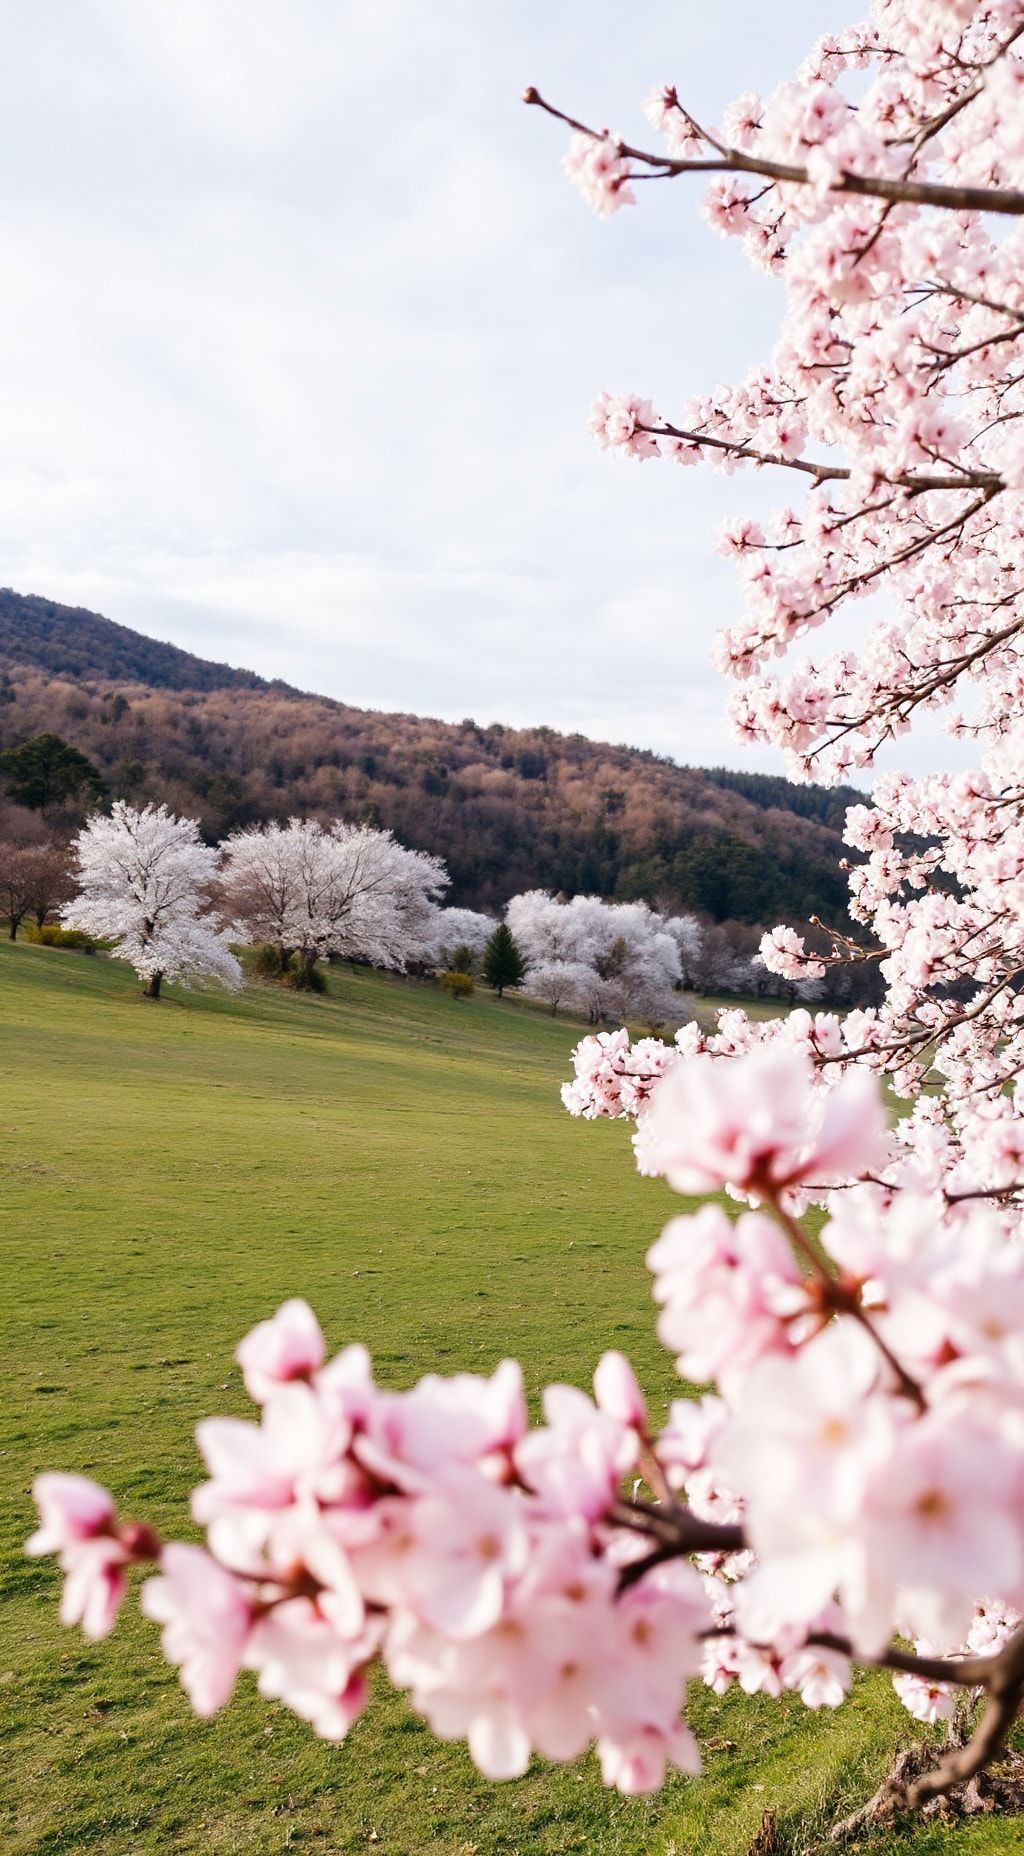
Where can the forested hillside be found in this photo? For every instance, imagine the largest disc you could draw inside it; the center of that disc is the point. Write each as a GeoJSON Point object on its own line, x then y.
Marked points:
{"type": "Point", "coordinates": [71, 642]}
{"type": "Point", "coordinates": [507, 808]}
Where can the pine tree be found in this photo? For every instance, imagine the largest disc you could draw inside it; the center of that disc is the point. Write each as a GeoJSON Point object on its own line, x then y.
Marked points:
{"type": "Point", "coordinates": [503, 963]}
{"type": "Point", "coordinates": [46, 771]}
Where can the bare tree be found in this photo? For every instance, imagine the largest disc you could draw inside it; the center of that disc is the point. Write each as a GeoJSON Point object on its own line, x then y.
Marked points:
{"type": "Point", "coordinates": [15, 884]}
{"type": "Point", "coordinates": [49, 876]}
{"type": "Point", "coordinates": [560, 982]}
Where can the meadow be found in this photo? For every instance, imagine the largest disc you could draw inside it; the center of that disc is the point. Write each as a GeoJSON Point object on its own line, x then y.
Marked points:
{"type": "Point", "coordinates": [169, 1174]}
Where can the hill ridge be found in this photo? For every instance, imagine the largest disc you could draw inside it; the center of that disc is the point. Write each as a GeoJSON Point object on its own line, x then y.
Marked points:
{"type": "Point", "coordinates": [41, 632]}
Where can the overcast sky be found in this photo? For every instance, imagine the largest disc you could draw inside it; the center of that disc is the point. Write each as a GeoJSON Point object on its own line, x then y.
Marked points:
{"type": "Point", "coordinates": [300, 326]}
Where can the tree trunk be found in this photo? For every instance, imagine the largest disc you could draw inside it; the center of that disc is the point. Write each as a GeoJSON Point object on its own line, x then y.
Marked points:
{"type": "Point", "coordinates": [151, 989]}
{"type": "Point", "coordinates": [14, 924]}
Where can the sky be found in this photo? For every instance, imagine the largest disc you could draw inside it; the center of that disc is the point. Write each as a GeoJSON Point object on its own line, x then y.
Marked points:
{"type": "Point", "coordinates": [301, 324]}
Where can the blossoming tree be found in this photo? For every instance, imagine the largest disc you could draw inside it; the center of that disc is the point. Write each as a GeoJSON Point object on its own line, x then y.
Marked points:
{"type": "Point", "coordinates": [613, 960]}
{"type": "Point", "coordinates": [458, 929]}
{"type": "Point", "coordinates": [314, 890]}
{"type": "Point", "coordinates": [144, 883]}
{"type": "Point", "coordinates": [852, 1488]}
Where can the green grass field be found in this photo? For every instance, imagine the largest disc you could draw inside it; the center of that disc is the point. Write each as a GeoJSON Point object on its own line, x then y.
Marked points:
{"type": "Point", "coordinates": [169, 1174]}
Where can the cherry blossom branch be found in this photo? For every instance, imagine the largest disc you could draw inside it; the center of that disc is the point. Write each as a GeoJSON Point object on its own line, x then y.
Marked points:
{"type": "Point", "coordinates": [829, 473]}
{"type": "Point", "coordinates": [903, 703]}
{"type": "Point", "coordinates": [1001, 1675]}
{"type": "Point", "coordinates": [960, 1671]}
{"type": "Point", "coordinates": [953, 108]}
{"type": "Point", "coordinates": [677, 1531]}
{"type": "Point", "coordinates": [984, 1192]}
{"type": "Point", "coordinates": [1009, 200]}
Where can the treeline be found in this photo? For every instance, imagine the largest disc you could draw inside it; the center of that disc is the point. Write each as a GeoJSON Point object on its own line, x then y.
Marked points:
{"type": "Point", "coordinates": [827, 804]}
{"type": "Point", "coordinates": [508, 809]}
{"type": "Point", "coordinates": [283, 882]}
{"type": "Point", "coordinates": [144, 884]}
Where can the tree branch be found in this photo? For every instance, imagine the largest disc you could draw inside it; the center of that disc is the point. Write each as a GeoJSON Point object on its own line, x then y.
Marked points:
{"type": "Point", "coordinates": [1004, 1683]}
{"type": "Point", "coordinates": [677, 1530]}
{"type": "Point", "coordinates": [873, 186]}
{"type": "Point", "coordinates": [989, 480]}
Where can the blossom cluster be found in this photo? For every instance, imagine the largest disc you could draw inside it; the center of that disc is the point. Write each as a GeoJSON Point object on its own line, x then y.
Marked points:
{"type": "Point", "coordinates": [940, 889]}
{"type": "Point", "coordinates": [700, 1122]}
{"type": "Point", "coordinates": [431, 1529]}
{"type": "Point", "coordinates": [601, 172]}
{"type": "Point", "coordinates": [858, 1473]}
{"type": "Point", "coordinates": [894, 388]}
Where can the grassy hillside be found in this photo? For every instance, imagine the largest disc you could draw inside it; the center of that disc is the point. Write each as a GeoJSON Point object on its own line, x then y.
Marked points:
{"type": "Point", "coordinates": [170, 1173]}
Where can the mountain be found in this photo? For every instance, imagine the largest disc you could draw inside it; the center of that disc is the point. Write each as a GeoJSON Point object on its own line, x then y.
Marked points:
{"type": "Point", "coordinates": [508, 808]}
{"type": "Point", "coordinates": [71, 642]}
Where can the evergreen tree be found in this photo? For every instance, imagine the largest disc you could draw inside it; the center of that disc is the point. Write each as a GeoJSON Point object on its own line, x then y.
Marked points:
{"type": "Point", "coordinates": [46, 771]}
{"type": "Point", "coordinates": [503, 963]}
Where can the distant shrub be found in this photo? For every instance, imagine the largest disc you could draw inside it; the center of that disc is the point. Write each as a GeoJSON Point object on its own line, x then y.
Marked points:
{"type": "Point", "coordinates": [457, 985]}
{"type": "Point", "coordinates": [53, 935]}
{"type": "Point", "coordinates": [262, 961]}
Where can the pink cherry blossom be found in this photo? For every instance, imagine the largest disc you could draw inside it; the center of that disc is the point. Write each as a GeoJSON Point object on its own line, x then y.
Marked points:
{"type": "Point", "coordinates": [638, 1763]}
{"type": "Point", "coordinates": [577, 1461]}
{"type": "Point", "coordinates": [71, 1509]}
{"type": "Point", "coordinates": [78, 1522]}
{"type": "Point", "coordinates": [746, 1124]}
{"type": "Point", "coordinates": [448, 1555]}
{"type": "Point", "coordinates": [290, 1346]}
{"type": "Point", "coordinates": [294, 1451]}
{"type": "Point", "coordinates": [728, 1291]}
{"type": "Point", "coordinates": [207, 1617]}
{"type": "Point", "coordinates": [617, 1392]}
{"type": "Point", "coordinates": [465, 1419]}
{"type": "Point", "coordinates": [94, 1585]}
{"type": "Point", "coordinates": [601, 172]}
{"type": "Point", "coordinates": [820, 1676]}
{"type": "Point", "coordinates": [926, 1701]}
{"type": "Point", "coordinates": [940, 1503]}
{"type": "Point", "coordinates": [622, 424]}
{"type": "Point", "coordinates": [300, 1659]}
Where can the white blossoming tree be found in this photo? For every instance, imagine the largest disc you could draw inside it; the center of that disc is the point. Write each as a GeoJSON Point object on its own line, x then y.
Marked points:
{"type": "Point", "coordinates": [458, 929]}
{"type": "Point", "coordinates": [608, 959]}
{"type": "Point", "coordinates": [314, 890]}
{"type": "Point", "coordinates": [144, 883]}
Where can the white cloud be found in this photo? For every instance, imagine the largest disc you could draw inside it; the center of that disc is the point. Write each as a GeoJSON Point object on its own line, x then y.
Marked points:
{"type": "Point", "coordinates": [301, 323]}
